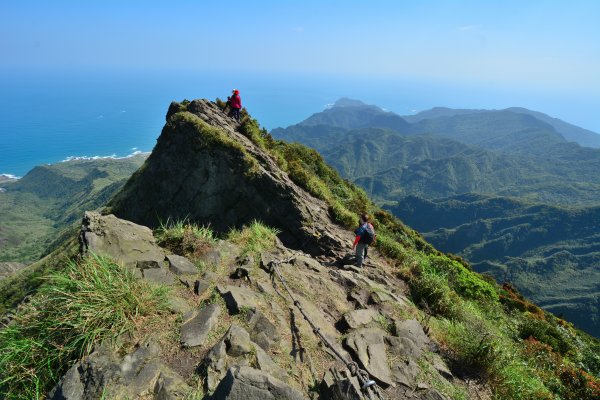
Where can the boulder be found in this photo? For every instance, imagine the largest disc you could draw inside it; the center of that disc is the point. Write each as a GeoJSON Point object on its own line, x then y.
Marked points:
{"type": "Point", "coordinates": [181, 266]}
{"type": "Point", "coordinates": [123, 241]}
{"type": "Point", "coordinates": [238, 298]}
{"type": "Point", "coordinates": [368, 346]}
{"type": "Point", "coordinates": [106, 374]}
{"type": "Point", "coordinates": [358, 318]}
{"type": "Point", "coordinates": [263, 331]}
{"type": "Point", "coordinates": [246, 383]}
{"type": "Point", "coordinates": [198, 324]}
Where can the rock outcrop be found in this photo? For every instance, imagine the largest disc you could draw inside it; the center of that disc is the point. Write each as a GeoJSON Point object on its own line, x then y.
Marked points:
{"type": "Point", "coordinates": [203, 169]}
{"type": "Point", "coordinates": [235, 330]}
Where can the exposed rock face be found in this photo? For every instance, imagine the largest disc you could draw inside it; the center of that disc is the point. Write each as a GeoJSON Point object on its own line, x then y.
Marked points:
{"type": "Point", "coordinates": [204, 169]}
{"type": "Point", "coordinates": [127, 243]}
{"type": "Point", "coordinates": [137, 375]}
{"type": "Point", "coordinates": [251, 384]}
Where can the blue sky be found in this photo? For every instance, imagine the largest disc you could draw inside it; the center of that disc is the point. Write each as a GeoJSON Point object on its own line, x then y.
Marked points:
{"type": "Point", "coordinates": [546, 49]}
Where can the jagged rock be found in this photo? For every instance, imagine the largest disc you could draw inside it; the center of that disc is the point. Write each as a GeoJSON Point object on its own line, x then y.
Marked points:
{"type": "Point", "coordinates": [104, 373]}
{"type": "Point", "coordinates": [238, 341]}
{"type": "Point", "coordinates": [266, 364]}
{"type": "Point", "coordinates": [358, 318]}
{"type": "Point", "coordinates": [201, 286]}
{"type": "Point", "coordinates": [203, 169]}
{"type": "Point", "coordinates": [340, 385]}
{"type": "Point", "coordinates": [412, 330]}
{"type": "Point", "coordinates": [180, 265]}
{"type": "Point", "coordinates": [308, 262]}
{"type": "Point", "coordinates": [405, 372]}
{"type": "Point", "coordinates": [404, 346]}
{"type": "Point", "coordinates": [198, 324]}
{"type": "Point", "coordinates": [379, 297]}
{"type": "Point", "coordinates": [123, 241]}
{"type": "Point", "coordinates": [245, 383]}
{"type": "Point", "coordinates": [238, 298]}
{"type": "Point", "coordinates": [262, 331]}
{"type": "Point", "coordinates": [368, 346]}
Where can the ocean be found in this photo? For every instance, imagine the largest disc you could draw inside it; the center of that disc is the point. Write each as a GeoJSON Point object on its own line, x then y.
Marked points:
{"type": "Point", "coordinates": [51, 115]}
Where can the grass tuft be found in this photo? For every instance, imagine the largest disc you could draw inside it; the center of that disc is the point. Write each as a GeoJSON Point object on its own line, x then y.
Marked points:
{"type": "Point", "coordinates": [254, 238]}
{"type": "Point", "coordinates": [89, 302]}
{"type": "Point", "coordinates": [184, 238]}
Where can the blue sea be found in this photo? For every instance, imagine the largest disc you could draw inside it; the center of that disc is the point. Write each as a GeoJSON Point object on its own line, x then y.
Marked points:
{"type": "Point", "coordinates": [47, 116]}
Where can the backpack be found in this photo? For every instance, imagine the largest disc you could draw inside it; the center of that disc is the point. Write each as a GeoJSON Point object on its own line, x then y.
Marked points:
{"type": "Point", "coordinates": [368, 234]}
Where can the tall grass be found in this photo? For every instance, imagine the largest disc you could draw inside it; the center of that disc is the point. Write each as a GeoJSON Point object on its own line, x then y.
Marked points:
{"type": "Point", "coordinates": [254, 238]}
{"type": "Point", "coordinates": [183, 237]}
{"type": "Point", "coordinates": [88, 302]}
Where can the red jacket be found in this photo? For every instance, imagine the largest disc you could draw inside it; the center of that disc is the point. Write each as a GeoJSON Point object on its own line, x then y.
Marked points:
{"type": "Point", "coordinates": [236, 101]}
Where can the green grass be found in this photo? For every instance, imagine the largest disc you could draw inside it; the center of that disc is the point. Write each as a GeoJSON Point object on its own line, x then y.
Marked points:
{"type": "Point", "coordinates": [86, 303]}
{"type": "Point", "coordinates": [254, 238]}
{"type": "Point", "coordinates": [183, 237]}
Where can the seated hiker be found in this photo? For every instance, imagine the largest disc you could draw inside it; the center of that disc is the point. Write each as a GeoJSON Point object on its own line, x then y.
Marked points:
{"type": "Point", "coordinates": [365, 235]}
{"type": "Point", "coordinates": [235, 102]}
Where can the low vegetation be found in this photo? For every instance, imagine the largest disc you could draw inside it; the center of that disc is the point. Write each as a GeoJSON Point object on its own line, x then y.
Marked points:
{"type": "Point", "coordinates": [86, 303]}
{"type": "Point", "coordinates": [184, 238]}
{"type": "Point", "coordinates": [485, 330]}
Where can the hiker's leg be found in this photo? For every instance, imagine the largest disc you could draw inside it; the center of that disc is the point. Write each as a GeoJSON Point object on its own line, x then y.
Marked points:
{"type": "Point", "coordinates": [360, 251]}
{"type": "Point", "coordinates": [366, 249]}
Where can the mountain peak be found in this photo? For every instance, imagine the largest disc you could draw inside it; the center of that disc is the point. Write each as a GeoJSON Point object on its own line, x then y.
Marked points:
{"type": "Point", "coordinates": [207, 170]}
{"type": "Point", "coordinates": [347, 102]}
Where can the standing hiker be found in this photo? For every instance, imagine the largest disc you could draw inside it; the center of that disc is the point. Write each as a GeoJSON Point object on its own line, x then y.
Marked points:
{"type": "Point", "coordinates": [235, 101]}
{"type": "Point", "coordinates": [365, 235]}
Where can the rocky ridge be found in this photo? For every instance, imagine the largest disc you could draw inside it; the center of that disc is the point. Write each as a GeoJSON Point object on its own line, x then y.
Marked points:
{"type": "Point", "coordinates": [233, 331]}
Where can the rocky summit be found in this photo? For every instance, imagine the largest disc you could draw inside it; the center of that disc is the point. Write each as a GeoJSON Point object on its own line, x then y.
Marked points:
{"type": "Point", "coordinates": [234, 331]}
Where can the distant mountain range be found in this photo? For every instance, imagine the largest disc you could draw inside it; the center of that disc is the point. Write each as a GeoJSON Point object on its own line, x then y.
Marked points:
{"type": "Point", "coordinates": [514, 191]}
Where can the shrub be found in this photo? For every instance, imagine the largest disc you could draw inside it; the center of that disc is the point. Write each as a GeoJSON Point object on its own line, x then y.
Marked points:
{"type": "Point", "coordinates": [90, 301]}
{"type": "Point", "coordinates": [467, 283]}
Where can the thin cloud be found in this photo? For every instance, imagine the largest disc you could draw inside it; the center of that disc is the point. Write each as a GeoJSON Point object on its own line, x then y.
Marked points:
{"type": "Point", "coordinates": [465, 28]}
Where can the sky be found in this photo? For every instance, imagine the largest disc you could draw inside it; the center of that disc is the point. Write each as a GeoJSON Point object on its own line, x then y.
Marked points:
{"type": "Point", "coordinates": [544, 49]}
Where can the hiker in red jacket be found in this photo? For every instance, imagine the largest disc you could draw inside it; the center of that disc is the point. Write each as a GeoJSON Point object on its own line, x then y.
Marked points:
{"type": "Point", "coordinates": [235, 101]}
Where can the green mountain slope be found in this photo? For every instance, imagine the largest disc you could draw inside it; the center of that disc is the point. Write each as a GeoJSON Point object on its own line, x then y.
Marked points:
{"type": "Point", "coordinates": [35, 208]}
{"type": "Point", "coordinates": [493, 153]}
{"type": "Point", "coordinates": [551, 254]}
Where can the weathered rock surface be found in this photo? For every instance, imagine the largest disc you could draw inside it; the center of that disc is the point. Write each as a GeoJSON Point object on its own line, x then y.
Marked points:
{"type": "Point", "coordinates": [198, 324]}
{"type": "Point", "coordinates": [368, 346]}
{"type": "Point", "coordinates": [359, 318]}
{"type": "Point", "coordinates": [135, 375]}
{"type": "Point", "coordinates": [238, 298]}
{"type": "Point", "coordinates": [202, 174]}
{"type": "Point", "coordinates": [246, 383]}
{"type": "Point", "coordinates": [123, 241]}
{"type": "Point", "coordinates": [181, 266]}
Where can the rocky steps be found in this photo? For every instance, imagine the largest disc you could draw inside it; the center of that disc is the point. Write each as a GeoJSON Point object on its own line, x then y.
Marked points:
{"type": "Point", "coordinates": [233, 331]}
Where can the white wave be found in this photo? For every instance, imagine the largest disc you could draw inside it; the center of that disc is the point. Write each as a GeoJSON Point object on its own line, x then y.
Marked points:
{"type": "Point", "coordinates": [112, 157]}
{"type": "Point", "coordinates": [9, 176]}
